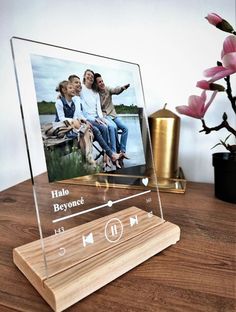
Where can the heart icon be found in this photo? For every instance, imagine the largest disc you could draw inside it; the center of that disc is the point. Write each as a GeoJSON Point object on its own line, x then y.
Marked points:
{"type": "Point", "coordinates": [145, 181]}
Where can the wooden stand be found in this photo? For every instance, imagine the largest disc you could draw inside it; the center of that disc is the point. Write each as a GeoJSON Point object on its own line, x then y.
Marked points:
{"type": "Point", "coordinates": [96, 253]}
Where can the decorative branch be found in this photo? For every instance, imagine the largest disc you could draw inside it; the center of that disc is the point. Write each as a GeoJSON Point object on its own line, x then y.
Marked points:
{"type": "Point", "coordinates": [229, 93]}
{"type": "Point", "coordinates": [224, 124]}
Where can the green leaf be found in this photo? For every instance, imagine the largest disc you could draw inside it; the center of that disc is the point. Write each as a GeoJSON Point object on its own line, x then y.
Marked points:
{"type": "Point", "coordinates": [216, 145]}
{"type": "Point", "coordinates": [227, 137]}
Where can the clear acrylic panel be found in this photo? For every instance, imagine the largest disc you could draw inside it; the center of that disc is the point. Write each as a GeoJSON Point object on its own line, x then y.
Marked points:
{"type": "Point", "coordinates": [83, 208]}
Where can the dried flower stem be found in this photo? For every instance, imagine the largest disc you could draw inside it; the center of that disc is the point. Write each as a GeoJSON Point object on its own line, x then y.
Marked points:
{"type": "Point", "coordinates": [229, 93]}
{"type": "Point", "coordinates": [224, 124]}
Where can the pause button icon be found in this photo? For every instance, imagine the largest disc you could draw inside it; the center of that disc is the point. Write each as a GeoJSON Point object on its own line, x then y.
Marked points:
{"type": "Point", "coordinates": [113, 230]}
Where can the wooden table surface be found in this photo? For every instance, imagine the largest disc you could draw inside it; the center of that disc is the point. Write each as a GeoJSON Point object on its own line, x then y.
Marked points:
{"type": "Point", "coordinates": [196, 274]}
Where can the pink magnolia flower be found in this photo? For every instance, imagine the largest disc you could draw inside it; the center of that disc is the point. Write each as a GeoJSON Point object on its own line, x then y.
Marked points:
{"type": "Point", "coordinates": [203, 84]}
{"type": "Point", "coordinates": [228, 57]}
{"type": "Point", "coordinates": [206, 85]}
{"type": "Point", "coordinates": [197, 105]}
{"type": "Point", "coordinates": [219, 22]}
{"type": "Point", "coordinates": [228, 54]}
{"type": "Point", "coordinates": [214, 19]}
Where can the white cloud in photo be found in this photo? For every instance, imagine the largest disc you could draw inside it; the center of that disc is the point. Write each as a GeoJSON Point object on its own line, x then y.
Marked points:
{"type": "Point", "coordinates": [49, 71]}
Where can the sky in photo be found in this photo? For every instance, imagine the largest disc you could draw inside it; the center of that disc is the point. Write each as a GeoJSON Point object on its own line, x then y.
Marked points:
{"type": "Point", "coordinates": [49, 71]}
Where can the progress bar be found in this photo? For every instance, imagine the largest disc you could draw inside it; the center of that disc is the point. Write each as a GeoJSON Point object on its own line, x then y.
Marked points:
{"type": "Point", "coordinates": [108, 204]}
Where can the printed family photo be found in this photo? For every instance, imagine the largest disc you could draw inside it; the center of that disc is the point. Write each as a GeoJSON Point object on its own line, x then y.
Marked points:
{"type": "Point", "coordinates": [89, 117]}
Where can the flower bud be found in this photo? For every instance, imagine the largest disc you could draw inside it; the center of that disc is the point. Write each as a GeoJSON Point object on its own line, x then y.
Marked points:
{"type": "Point", "coordinates": [219, 22]}
{"type": "Point", "coordinates": [224, 117]}
{"type": "Point", "coordinates": [203, 84]}
{"type": "Point", "coordinates": [206, 85]}
{"type": "Point", "coordinates": [214, 19]}
{"type": "Point", "coordinates": [216, 86]}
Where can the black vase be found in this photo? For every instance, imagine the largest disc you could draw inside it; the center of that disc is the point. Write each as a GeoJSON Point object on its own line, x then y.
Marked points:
{"type": "Point", "coordinates": [225, 176]}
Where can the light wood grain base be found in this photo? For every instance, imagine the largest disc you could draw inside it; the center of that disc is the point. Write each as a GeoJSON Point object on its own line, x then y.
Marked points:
{"type": "Point", "coordinates": [81, 278]}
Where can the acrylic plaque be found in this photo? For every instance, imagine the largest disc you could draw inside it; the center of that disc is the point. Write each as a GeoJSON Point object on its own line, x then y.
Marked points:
{"type": "Point", "coordinates": [86, 205]}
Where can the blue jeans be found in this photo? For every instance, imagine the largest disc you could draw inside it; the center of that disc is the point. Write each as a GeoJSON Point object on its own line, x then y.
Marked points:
{"type": "Point", "coordinates": [117, 124]}
{"type": "Point", "coordinates": [101, 136]}
{"type": "Point", "coordinates": [113, 135]}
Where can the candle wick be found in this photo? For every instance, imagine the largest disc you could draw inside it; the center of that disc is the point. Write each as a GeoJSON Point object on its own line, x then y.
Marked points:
{"type": "Point", "coordinates": [165, 106]}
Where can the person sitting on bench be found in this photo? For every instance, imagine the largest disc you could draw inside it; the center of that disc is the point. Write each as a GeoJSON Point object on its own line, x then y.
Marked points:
{"type": "Point", "coordinates": [66, 110]}
{"type": "Point", "coordinates": [74, 112]}
{"type": "Point", "coordinates": [109, 111]}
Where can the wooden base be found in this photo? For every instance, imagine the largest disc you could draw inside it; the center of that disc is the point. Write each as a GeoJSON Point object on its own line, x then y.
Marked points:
{"type": "Point", "coordinates": [106, 257]}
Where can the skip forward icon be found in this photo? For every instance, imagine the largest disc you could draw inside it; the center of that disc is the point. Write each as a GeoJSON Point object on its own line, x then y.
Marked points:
{"type": "Point", "coordinates": [88, 239]}
{"type": "Point", "coordinates": [133, 220]}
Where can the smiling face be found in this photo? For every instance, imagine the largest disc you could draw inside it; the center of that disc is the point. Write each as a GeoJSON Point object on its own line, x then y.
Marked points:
{"type": "Point", "coordinates": [77, 85]}
{"type": "Point", "coordinates": [100, 84]}
{"type": "Point", "coordinates": [88, 78]}
{"type": "Point", "coordinates": [69, 90]}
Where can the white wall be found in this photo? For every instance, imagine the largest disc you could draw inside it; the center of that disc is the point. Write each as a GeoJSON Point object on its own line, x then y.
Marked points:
{"type": "Point", "coordinates": [170, 39]}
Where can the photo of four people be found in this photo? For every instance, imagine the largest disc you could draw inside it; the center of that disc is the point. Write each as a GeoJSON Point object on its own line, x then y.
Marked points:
{"type": "Point", "coordinates": [84, 113]}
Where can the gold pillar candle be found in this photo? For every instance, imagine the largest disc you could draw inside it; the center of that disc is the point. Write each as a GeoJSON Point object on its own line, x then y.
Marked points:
{"type": "Point", "coordinates": [165, 128]}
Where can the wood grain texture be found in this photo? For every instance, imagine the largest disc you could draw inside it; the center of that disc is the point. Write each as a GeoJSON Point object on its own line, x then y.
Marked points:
{"type": "Point", "coordinates": [72, 240]}
{"type": "Point", "coordinates": [86, 269]}
{"type": "Point", "coordinates": [196, 274]}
